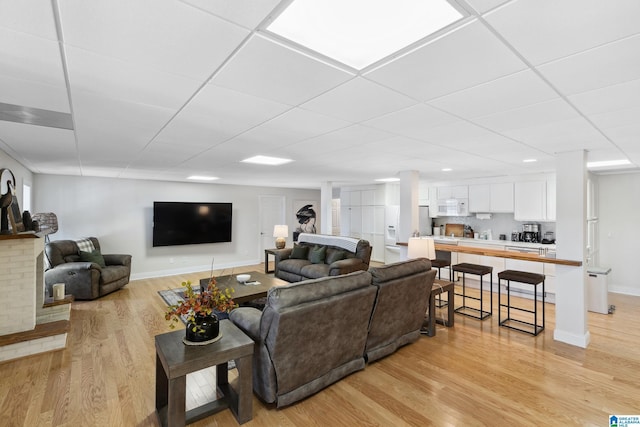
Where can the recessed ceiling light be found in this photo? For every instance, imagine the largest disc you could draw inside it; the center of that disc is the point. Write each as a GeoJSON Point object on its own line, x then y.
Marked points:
{"type": "Point", "coordinates": [529, 160]}
{"type": "Point", "coordinates": [203, 178]}
{"type": "Point", "coordinates": [388, 179]}
{"type": "Point", "coordinates": [606, 163]}
{"type": "Point", "coordinates": [266, 160]}
{"type": "Point", "coordinates": [446, 169]}
{"type": "Point", "coordinates": [361, 32]}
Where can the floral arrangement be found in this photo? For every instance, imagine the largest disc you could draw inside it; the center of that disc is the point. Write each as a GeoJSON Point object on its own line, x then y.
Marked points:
{"type": "Point", "coordinates": [200, 303]}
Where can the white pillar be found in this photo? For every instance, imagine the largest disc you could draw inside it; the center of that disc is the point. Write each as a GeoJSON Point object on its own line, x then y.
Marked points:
{"type": "Point", "coordinates": [571, 231]}
{"type": "Point", "coordinates": [409, 187]}
{"type": "Point", "coordinates": [326, 213]}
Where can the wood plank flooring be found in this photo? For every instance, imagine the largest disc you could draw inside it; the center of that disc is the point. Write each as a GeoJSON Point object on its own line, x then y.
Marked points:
{"type": "Point", "coordinates": [474, 374]}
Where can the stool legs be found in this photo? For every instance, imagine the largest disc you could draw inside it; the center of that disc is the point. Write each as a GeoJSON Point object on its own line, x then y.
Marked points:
{"type": "Point", "coordinates": [482, 313]}
{"type": "Point", "coordinates": [507, 323]}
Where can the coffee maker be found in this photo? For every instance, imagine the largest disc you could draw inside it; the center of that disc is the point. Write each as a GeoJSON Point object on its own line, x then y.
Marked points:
{"type": "Point", "coordinates": [531, 233]}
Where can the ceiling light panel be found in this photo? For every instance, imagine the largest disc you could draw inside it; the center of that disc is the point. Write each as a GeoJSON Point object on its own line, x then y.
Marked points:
{"type": "Point", "coordinates": [361, 32]}
{"type": "Point", "coordinates": [267, 160]}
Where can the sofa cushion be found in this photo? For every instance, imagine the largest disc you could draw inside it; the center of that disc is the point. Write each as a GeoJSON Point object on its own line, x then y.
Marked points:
{"type": "Point", "coordinates": [293, 265]}
{"type": "Point", "coordinates": [299, 252]}
{"type": "Point", "coordinates": [317, 254]}
{"type": "Point", "coordinates": [334, 255]}
{"type": "Point", "coordinates": [315, 271]}
{"type": "Point", "coordinates": [93, 256]}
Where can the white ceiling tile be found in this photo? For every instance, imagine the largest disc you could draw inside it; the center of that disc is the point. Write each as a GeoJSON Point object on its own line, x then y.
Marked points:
{"type": "Point", "coordinates": [33, 94]}
{"type": "Point", "coordinates": [463, 58]}
{"type": "Point", "coordinates": [270, 70]}
{"type": "Point", "coordinates": [248, 13]}
{"type": "Point", "coordinates": [290, 127]}
{"type": "Point", "coordinates": [217, 114]}
{"type": "Point", "coordinates": [506, 93]}
{"type": "Point", "coordinates": [559, 136]}
{"type": "Point", "coordinates": [607, 65]}
{"type": "Point", "coordinates": [358, 100]}
{"type": "Point", "coordinates": [161, 155]}
{"type": "Point", "coordinates": [26, 57]}
{"type": "Point", "coordinates": [116, 78]}
{"type": "Point", "coordinates": [39, 146]}
{"type": "Point", "coordinates": [621, 96]}
{"type": "Point", "coordinates": [529, 116]}
{"type": "Point", "coordinates": [161, 34]}
{"type": "Point", "coordinates": [413, 121]}
{"type": "Point", "coordinates": [483, 6]}
{"type": "Point", "coordinates": [544, 30]}
{"type": "Point", "coordinates": [32, 17]}
{"type": "Point", "coordinates": [616, 118]}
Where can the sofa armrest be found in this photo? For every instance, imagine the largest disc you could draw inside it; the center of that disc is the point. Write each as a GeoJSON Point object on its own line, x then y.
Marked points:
{"type": "Point", "coordinates": [117, 259]}
{"type": "Point", "coordinates": [81, 279]}
{"type": "Point", "coordinates": [247, 319]}
{"type": "Point", "coordinates": [345, 266]}
{"type": "Point", "coordinates": [280, 255]}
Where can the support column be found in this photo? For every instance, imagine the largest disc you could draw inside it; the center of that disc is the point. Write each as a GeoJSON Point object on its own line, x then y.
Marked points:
{"type": "Point", "coordinates": [409, 187]}
{"type": "Point", "coordinates": [571, 231]}
{"type": "Point", "coordinates": [326, 212]}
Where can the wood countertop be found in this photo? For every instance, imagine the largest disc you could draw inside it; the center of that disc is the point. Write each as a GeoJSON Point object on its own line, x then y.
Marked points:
{"type": "Point", "coordinates": [500, 253]}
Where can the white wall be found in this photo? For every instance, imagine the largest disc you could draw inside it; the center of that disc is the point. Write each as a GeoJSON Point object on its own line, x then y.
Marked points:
{"type": "Point", "coordinates": [22, 174]}
{"type": "Point", "coordinates": [119, 212]}
{"type": "Point", "coordinates": [619, 230]}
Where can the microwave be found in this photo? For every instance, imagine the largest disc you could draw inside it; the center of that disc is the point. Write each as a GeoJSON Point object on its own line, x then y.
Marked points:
{"type": "Point", "coordinates": [453, 207]}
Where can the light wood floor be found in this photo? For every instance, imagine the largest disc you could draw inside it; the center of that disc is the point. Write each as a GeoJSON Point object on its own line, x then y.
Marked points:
{"type": "Point", "coordinates": [471, 375]}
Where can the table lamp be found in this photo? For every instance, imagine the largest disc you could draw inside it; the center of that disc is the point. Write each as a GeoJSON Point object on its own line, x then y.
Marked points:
{"type": "Point", "coordinates": [421, 247]}
{"type": "Point", "coordinates": [280, 232]}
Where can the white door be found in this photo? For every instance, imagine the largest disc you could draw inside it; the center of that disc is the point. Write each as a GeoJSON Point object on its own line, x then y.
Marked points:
{"type": "Point", "coordinates": [271, 213]}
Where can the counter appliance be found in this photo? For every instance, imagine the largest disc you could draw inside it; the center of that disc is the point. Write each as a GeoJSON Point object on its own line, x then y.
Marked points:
{"type": "Point", "coordinates": [531, 233]}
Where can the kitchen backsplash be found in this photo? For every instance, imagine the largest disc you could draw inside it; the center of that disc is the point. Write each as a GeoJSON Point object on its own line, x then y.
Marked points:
{"type": "Point", "coordinates": [498, 224]}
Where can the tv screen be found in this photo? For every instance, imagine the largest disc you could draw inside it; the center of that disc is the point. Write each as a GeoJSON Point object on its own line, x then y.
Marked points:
{"type": "Point", "coordinates": [186, 223]}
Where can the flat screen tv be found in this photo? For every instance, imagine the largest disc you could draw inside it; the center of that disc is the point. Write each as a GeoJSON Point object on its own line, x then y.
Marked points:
{"type": "Point", "coordinates": [187, 223]}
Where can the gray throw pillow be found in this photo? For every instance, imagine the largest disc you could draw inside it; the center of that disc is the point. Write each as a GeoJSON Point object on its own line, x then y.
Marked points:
{"type": "Point", "coordinates": [335, 255]}
{"type": "Point", "coordinates": [299, 252]}
{"type": "Point", "coordinates": [317, 254]}
{"type": "Point", "coordinates": [94, 256]}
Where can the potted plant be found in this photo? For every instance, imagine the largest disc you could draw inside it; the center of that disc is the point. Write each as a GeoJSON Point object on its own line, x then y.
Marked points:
{"type": "Point", "coordinates": [199, 310]}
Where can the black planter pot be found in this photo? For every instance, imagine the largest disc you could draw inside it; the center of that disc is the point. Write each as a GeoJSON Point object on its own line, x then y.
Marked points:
{"type": "Point", "coordinates": [205, 328]}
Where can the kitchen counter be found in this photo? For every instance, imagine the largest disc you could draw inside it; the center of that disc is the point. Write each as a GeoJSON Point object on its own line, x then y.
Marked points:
{"type": "Point", "coordinates": [467, 240]}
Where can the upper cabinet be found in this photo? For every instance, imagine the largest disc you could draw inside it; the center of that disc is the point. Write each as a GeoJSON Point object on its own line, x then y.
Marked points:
{"type": "Point", "coordinates": [453, 192]}
{"type": "Point", "coordinates": [497, 197]}
{"type": "Point", "coordinates": [535, 200]}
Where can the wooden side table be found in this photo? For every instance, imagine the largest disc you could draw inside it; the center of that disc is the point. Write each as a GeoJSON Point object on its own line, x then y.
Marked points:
{"type": "Point", "coordinates": [174, 360]}
{"type": "Point", "coordinates": [268, 252]}
{"type": "Point", "coordinates": [439, 287]}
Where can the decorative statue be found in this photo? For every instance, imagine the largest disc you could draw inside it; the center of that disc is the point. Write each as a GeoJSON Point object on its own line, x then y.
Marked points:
{"type": "Point", "coordinates": [6, 199]}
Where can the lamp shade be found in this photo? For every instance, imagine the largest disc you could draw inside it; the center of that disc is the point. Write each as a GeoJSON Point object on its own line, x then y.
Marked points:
{"type": "Point", "coordinates": [421, 248]}
{"type": "Point", "coordinates": [280, 230]}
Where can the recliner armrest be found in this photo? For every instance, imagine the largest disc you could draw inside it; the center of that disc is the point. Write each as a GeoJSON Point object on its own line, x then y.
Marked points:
{"type": "Point", "coordinates": [75, 266]}
{"type": "Point", "coordinates": [247, 319]}
{"type": "Point", "coordinates": [117, 259]}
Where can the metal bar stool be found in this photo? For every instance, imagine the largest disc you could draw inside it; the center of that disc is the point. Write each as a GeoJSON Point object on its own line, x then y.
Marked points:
{"type": "Point", "coordinates": [480, 270]}
{"type": "Point", "coordinates": [521, 277]}
{"type": "Point", "coordinates": [440, 263]}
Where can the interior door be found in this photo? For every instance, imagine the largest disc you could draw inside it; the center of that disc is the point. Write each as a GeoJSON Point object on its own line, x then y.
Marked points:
{"type": "Point", "coordinates": [271, 213]}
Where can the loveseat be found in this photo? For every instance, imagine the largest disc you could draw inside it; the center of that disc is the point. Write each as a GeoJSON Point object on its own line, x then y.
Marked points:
{"type": "Point", "coordinates": [313, 333]}
{"type": "Point", "coordinates": [87, 274]}
{"type": "Point", "coordinates": [319, 255]}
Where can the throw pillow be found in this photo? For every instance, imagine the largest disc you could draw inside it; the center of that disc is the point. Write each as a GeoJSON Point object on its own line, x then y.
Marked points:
{"type": "Point", "coordinates": [94, 256]}
{"type": "Point", "coordinates": [299, 252]}
{"type": "Point", "coordinates": [335, 255]}
{"type": "Point", "coordinates": [317, 254]}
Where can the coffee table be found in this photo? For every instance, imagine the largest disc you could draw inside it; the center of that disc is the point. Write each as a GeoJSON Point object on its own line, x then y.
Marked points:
{"type": "Point", "coordinates": [244, 293]}
{"type": "Point", "coordinates": [174, 360]}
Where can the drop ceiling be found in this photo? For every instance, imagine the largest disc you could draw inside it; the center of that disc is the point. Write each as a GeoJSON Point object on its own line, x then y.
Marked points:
{"type": "Point", "coordinates": [166, 89]}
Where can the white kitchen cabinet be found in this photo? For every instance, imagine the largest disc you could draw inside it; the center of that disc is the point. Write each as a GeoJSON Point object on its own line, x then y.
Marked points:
{"type": "Point", "coordinates": [530, 201]}
{"type": "Point", "coordinates": [368, 197]}
{"type": "Point", "coordinates": [453, 192]}
{"type": "Point", "coordinates": [480, 198]}
{"type": "Point", "coordinates": [495, 197]}
{"type": "Point", "coordinates": [433, 202]}
{"type": "Point", "coordinates": [501, 197]}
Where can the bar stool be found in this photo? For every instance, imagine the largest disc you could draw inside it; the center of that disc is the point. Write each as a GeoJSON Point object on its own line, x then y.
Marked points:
{"type": "Point", "coordinates": [534, 279]}
{"type": "Point", "coordinates": [480, 270]}
{"type": "Point", "coordinates": [441, 263]}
